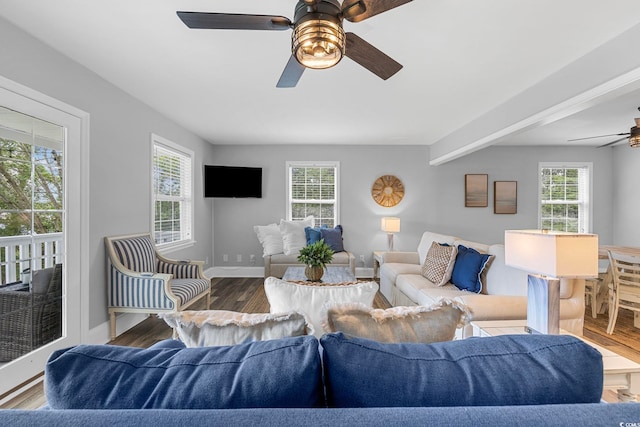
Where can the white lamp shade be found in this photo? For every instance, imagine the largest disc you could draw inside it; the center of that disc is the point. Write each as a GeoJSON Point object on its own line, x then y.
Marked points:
{"type": "Point", "coordinates": [390, 224]}
{"type": "Point", "coordinates": [552, 253]}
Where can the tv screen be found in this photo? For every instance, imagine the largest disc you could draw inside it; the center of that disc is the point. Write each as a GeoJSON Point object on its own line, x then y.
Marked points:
{"type": "Point", "coordinates": [232, 181]}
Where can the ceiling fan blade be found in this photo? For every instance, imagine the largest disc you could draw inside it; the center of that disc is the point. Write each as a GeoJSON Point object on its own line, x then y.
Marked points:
{"type": "Point", "coordinates": [613, 142]}
{"type": "Point", "coordinates": [370, 58]}
{"type": "Point", "coordinates": [291, 74]}
{"type": "Point", "coordinates": [232, 21]}
{"type": "Point", "coordinates": [359, 10]}
{"type": "Point", "coordinates": [599, 136]}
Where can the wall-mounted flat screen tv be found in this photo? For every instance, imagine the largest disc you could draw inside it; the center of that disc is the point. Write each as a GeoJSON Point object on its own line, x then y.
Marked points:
{"type": "Point", "coordinates": [232, 181]}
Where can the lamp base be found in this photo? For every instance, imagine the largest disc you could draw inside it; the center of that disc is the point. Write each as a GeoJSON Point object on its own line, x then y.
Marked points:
{"type": "Point", "coordinates": [543, 305]}
{"type": "Point", "coordinates": [389, 242]}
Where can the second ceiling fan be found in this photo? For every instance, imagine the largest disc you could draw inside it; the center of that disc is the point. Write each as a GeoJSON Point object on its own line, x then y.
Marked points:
{"type": "Point", "coordinates": [318, 40]}
{"type": "Point", "coordinates": [633, 136]}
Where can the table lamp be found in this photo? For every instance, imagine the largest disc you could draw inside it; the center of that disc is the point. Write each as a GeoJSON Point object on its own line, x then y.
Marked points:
{"type": "Point", "coordinates": [549, 256]}
{"type": "Point", "coordinates": [390, 225]}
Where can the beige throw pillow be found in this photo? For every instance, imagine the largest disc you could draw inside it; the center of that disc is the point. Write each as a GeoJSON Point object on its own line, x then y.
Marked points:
{"type": "Point", "coordinates": [398, 324]}
{"type": "Point", "coordinates": [209, 328]}
{"type": "Point", "coordinates": [438, 265]}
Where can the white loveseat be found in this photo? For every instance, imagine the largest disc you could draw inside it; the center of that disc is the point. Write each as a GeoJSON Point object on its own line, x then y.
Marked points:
{"type": "Point", "coordinates": [504, 296]}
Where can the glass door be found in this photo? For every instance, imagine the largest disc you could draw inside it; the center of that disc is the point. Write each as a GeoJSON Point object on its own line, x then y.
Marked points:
{"type": "Point", "coordinates": [39, 289]}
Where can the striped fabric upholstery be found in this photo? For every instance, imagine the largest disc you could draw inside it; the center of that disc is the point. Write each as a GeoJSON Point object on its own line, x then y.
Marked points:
{"type": "Point", "coordinates": [188, 289]}
{"type": "Point", "coordinates": [180, 270]}
{"type": "Point", "coordinates": [136, 253]}
{"type": "Point", "coordinates": [137, 292]}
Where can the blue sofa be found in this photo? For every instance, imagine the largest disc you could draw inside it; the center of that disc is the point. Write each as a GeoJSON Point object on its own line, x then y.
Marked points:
{"type": "Point", "coordinates": [522, 380]}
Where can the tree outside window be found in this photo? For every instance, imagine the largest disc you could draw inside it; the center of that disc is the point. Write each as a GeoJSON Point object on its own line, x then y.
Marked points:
{"type": "Point", "coordinates": [564, 197]}
{"type": "Point", "coordinates": [172, 193]}
{"type": "Point", "coordinates": [312, 190]}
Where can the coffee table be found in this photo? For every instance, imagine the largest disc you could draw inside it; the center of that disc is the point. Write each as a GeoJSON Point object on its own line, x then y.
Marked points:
{"type": "Point", "coordinates": [620, 373]}
{"type": "Point", "coordinates": [331, 275]}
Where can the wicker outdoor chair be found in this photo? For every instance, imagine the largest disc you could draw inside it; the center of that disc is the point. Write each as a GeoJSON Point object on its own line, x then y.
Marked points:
{"type": "Point", "coordinates": [32, 317]}
{"type": "Point", "coordinates": [140, 280]}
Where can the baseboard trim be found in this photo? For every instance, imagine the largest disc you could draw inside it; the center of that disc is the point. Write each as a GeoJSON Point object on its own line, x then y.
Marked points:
{"type": "Point", "coordinates": [12, 394]}
{"type": "Point", "coordinates": [125, 321]}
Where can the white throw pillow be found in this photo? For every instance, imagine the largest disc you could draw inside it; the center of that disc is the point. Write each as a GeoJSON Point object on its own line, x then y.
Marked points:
{"type": "Point", "coordinates": [293, 237]}
{"type": "Point", "coordinates": [209, 328]}
{"type": "Point", "coordinates": [270, 238]}
{"type": "Point", "coordinates": [310, 299]}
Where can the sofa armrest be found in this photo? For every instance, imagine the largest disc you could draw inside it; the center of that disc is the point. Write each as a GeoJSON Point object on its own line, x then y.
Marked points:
{"type": "Point", "coordinates": [495, 307]}
{"type": "Point", "coordinates": [267, 266]}
{"type": "Point", "coordinates": [401, 257]}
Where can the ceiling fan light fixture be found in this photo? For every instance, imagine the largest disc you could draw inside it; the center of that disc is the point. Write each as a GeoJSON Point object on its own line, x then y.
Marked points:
{"type": "Point", "coordinates": [634, 137]}
{"type": "Point", "coordinates": [318, 43]}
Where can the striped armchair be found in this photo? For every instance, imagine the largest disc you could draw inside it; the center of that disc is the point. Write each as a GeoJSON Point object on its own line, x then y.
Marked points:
{"type": "Point", "coordinates": [140, 280]}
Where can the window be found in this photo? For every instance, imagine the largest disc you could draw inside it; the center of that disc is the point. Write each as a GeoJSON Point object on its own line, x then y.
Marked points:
{"type": "Point", "coordinates": [565, 194]}
{"type": "Point", "coordinates": [172, 196]}
{"type": "Point", "coordinates": [313, 190]}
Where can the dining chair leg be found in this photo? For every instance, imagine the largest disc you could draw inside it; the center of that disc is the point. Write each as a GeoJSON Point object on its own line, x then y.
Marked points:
{"type": "Point", "coordinates": [613, 314]}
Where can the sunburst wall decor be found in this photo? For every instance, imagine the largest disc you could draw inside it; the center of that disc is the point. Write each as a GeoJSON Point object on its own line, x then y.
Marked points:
{"type": "Point", "coordinates": [387, 191]}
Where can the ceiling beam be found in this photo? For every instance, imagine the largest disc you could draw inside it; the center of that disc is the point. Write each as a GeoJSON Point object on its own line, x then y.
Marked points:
{"type": "Point", "coordinates": [608, 71]}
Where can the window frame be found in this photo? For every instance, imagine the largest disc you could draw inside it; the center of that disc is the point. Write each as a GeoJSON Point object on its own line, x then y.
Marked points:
{"type": "Point", "coordinates": [313, 164]}
{"type": "Point", "coordinates": [585, 207]}
{"type": "Point", "coordinates": [189, 221]}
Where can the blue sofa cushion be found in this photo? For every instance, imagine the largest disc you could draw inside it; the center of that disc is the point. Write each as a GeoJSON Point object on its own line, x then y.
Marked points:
{"type": "Point", "coordinates": [274, 374]}
{"type": "Point", "coordinates": [503, 370]}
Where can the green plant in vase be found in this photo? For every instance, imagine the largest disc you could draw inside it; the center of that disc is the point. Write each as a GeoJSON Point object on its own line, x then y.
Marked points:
{"type": "Point", "coordinates": [315, 256]}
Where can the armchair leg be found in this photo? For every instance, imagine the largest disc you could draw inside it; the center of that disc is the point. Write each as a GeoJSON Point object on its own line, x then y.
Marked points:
{"type": "Point", "coordinates": [112, 325]}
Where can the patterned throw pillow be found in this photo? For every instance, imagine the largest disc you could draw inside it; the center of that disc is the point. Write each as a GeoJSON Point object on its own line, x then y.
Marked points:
{"type": "Point", "coordinates": [438, 265]}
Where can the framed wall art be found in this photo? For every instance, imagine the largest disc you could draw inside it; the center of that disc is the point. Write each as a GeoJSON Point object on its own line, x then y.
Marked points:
{"type": "Point", "coordinates": [505, 197]}
{"type": "Point", "coordinates": [476, 190]}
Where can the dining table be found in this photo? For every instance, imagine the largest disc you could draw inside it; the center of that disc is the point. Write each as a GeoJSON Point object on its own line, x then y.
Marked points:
{"type": "Point", "coordinates": [603, 293]}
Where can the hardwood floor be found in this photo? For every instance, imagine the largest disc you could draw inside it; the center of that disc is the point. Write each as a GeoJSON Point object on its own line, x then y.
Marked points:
{"type": "Point", "coordinates": [243, 294]}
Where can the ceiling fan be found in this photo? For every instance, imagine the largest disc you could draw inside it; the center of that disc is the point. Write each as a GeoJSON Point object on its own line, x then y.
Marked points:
{"type": "Point", "coordinates": [318, 40]}
{"type": "Point", "coordinates": [633, 135]}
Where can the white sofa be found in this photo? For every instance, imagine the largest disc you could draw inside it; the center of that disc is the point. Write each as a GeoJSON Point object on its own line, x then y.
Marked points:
{"type": "Point", "coordinates": [402, 283]}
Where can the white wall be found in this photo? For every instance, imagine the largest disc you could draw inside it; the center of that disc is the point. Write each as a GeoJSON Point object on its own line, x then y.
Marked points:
{"type": "Point", "coordinates": [434, 195]}
{"type": "Point", "coordinates": [626, 196]}
{"type": "Point", "coordinates": [359, 214]}
{"type": "Point", "coordinates": [120, 128]}
{"type": "Point", "coordinates": [509, 163]}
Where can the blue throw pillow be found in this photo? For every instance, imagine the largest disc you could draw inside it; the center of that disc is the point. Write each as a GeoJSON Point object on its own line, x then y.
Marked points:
{"type": "Point", "coordinates": [313, 234]}
{"type": "Point", "coordinates": [283, 373]}
{"type": "Point", "coordinates": [494, 371]}
{"type": "Point", "coordinates": [468, 269]}
{"type": "Point", "coordinates": [333, 238]}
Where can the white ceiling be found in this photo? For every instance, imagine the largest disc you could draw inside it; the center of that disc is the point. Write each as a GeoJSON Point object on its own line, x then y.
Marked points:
{"type": "Point", "coordinates": [462, 59]}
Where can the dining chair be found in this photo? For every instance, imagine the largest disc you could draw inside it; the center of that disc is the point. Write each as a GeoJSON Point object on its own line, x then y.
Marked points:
{"type": "Point", "coordinates": [624, 290]}
{"type": "Point", "coordinates": [591, 288]}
